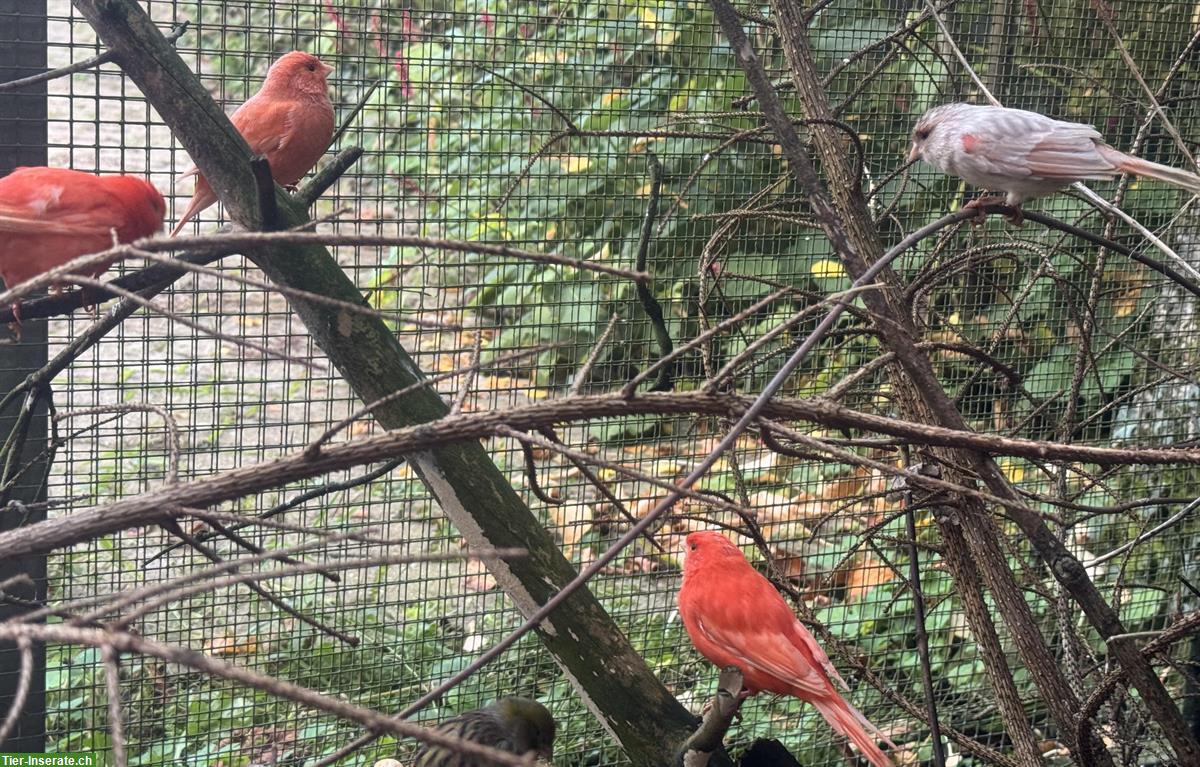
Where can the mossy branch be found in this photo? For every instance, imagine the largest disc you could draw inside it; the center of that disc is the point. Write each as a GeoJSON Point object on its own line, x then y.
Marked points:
{"type": "Point", "coordinates": [477, 498]}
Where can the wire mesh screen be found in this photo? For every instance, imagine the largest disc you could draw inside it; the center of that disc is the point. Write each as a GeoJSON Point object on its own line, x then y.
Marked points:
{"type": "Point", "coordinates": [537, 125]}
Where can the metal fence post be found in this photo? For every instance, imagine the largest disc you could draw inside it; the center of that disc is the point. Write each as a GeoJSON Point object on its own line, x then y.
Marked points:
{"type": "Point", "coordinates": [23, 141]}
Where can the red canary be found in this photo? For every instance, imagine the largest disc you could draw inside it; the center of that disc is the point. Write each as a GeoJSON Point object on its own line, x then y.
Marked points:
{"type": "Point", "coordinates": [734, 616]}
{"type": "Point", "coordinates": [49, 216]}
{"type": "Point", "coordinates": [289, 121]}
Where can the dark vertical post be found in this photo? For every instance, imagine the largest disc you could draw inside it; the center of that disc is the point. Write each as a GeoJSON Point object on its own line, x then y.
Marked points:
{"type": "Point", "coordinates": [23, 142]}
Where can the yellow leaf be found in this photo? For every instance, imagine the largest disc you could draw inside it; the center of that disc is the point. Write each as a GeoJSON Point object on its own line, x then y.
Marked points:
{"type": "Point", "coordinates": [954, 319]}
{"type": "Point", "coordinates": [572, 520]}
{"type": "Point", "coordinates": [664, 38]}
{"type": "Point", "coordinates": [667, 468]}
{"type": "Point", "coordinates": [1126, 305]}
{"type": "Point", "coordinates": [574, 163]}
{"type": "Point", "coordinates": [865, 574]}
{"type": "Point", "coordinates": [431, 133]}
{"type": "Point", "coordinates": [608, 98]}
{"type": "Point", "coordinates": [1014, 470]}
{"type": "Point", "coordinates": [827, 267]}
{"type": "Point", "coordinates": [227, 645]}
{"type": "Point", "coordinates": [551, 231]}
{"type": "Point", "coordinates": [648, 18]}
{"type": "Point", "coordinates": [638, 145]}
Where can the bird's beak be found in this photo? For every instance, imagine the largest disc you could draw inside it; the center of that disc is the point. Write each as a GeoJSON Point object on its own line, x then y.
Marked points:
{"type": "Point", "coordinates": [914, 153]}
{"type": "Point", "coordinates": [328, 69]}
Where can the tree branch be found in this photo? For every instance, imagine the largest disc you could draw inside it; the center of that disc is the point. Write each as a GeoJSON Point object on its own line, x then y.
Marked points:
{"type": "Point", "coordinates": [709, 738]}
{"type": "Point", "coordinates": [628, 699]}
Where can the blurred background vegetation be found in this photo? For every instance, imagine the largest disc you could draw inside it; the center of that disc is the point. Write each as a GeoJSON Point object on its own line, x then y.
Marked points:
{"type": "Point", "coordinates": [531, 124]}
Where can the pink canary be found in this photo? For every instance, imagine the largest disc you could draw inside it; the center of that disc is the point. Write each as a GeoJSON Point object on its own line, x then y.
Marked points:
{"type": "Point", "coordinates": [49, 216]}
{"type": "Point", "coordinates": [289, 121]}
{"type": "Point", "coordinates": [734, 616]}
{"type": "Point", "coordinates": [1024, 154]}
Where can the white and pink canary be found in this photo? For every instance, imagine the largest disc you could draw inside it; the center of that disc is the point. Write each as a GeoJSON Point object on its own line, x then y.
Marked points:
{"type": "Point", "coordinates": [1024, 154]}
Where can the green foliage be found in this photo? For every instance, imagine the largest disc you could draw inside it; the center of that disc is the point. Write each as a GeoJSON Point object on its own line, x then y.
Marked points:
{"type": "Point", "coordinates": [468, 155]}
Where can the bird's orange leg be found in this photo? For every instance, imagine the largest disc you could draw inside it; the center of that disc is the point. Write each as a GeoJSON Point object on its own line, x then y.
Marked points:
{"type": "Point", "coordinates": [14, 327]}
{"type": "Point", "coordinates": [1016, 219]}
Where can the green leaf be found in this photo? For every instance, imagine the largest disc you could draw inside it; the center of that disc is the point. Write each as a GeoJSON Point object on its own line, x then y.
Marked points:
{"type": "Point", "coordinates": [1053, 374]}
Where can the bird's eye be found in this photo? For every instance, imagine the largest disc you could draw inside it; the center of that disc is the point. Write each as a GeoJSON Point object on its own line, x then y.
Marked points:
{"type": "Point", "coordinates": [312, 67]}
{"type": "Point", "coordinates": [922, 134]}
{"type": "Point", "coordinates": [692, 547]}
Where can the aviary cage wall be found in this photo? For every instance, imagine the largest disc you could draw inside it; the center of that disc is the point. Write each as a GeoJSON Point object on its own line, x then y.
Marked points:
{"type": "Point", "coordinates": [468, 137]}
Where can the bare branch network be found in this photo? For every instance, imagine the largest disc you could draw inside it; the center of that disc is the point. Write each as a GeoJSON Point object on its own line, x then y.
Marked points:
{"type": "Point", "coordinates": [887, 420]}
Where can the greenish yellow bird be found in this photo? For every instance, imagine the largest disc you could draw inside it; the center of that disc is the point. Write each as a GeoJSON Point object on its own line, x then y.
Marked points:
{"type": "Point", "coordinates": [516, 725]}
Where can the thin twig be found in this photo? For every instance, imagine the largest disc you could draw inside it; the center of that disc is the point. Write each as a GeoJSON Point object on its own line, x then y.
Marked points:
{"type": "Point", "coordinates": [1166, 524]}
{"type": "Point", "coordinates": [89, 63]}
{"type": "Point", "coordinates": [314, 447]}
{"type": "Point", "coordinates": [531, 477]}
{"type": "Point", "coordinates": [173, 527]}
{"type": "Point", "coordinates": [305, 497]}
{"type": "Point", "coordinates": [24, 682]}
{"type": "Point", "coordinates": [1106, 18]}
{"type": "Point", "coordinates": [202, 579]}
{"type": "Point", "coordinates": [176, 317]}
{"type": "Point", "coordinates": [180, 592]}
{"type": "Point", "coordinates": [173, 446]}
{"type": "Point", "coordinates": [649, 303]}
{"type": "Point", "coordinates": [464, 390]}
{"type": "Point", "coordinates": [922, 636]}
{"type": "Point", "coordinates": [531, 93]}
{"type": "Point", "coordinates": [958, 54]}
{"type": "Point", "coordinates": [630, 387]}
{"type": "Point", "coordinates": [349, 119]}
{"type": "Point", "coordinates": [116, 720]}
{"type": "Point", "coordinates": [126, 642]}
{"type": "Point", "coordinates": [578, 460]}
{"type": "Point", "coordinates": [581, 375]}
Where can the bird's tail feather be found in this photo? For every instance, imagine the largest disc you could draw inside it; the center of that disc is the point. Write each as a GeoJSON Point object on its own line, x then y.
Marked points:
{"type": "Point", "coordinates": [201, 199]}
{"type": "Point", "coordinates": [847, 720]}
{"type": "Point", "coordinates": [1138, 166]}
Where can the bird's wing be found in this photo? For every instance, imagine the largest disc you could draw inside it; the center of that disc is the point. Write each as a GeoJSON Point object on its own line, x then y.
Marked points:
{"type": "Point", "coordinates": [476, 726]}
{"type": "Point", "coordinates": [1069, 153]}
{"type": "Point", "coordinates": [265, 123]}
{"type": "Point", "coordinates": [768, 652]}
{"type": "Point", "coordinates": [18, 222]}
{"type": "Point", "coordinates": [1018, 144]}
{"type": "Point", "coordinates": [747, 617]}
{"type": "Point", "coordinates": [80, 209]}
{"type": "Point", "coordinates": [801, 637]}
